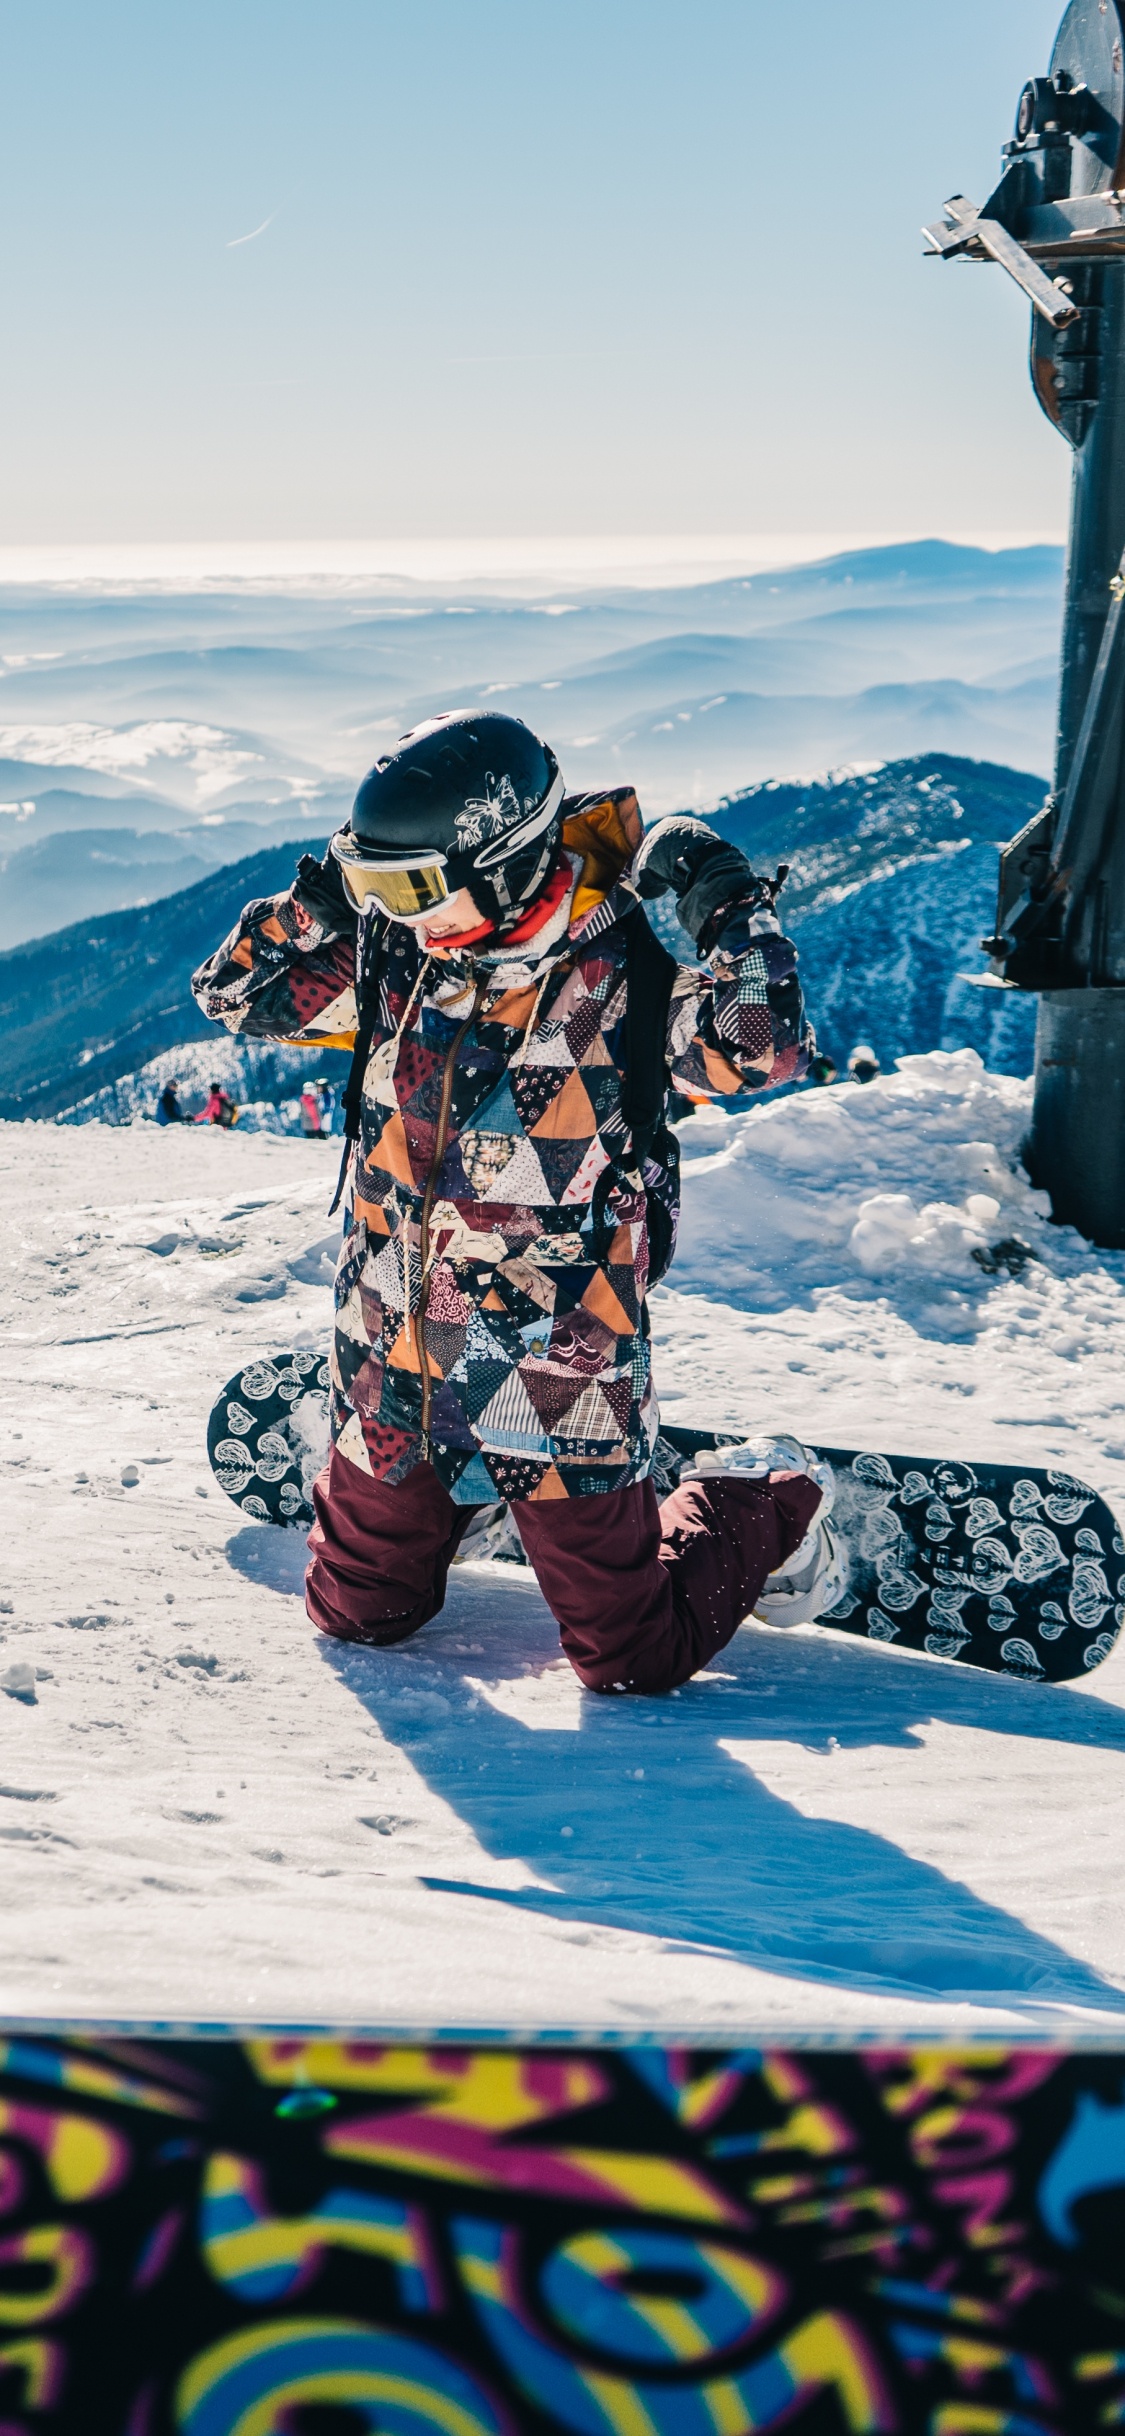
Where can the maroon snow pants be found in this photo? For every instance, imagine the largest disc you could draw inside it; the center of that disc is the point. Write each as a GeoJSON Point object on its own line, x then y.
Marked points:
{"type": "Point", "coordinates": [643, 1594]}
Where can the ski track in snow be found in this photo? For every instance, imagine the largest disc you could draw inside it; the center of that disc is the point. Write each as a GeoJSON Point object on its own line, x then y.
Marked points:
{"type": "Point", "coordinates": [210, 1814]}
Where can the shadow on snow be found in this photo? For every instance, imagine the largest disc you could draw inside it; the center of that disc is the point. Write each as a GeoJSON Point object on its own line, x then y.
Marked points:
{"type": "Point", "coordinates": [699, 1852]}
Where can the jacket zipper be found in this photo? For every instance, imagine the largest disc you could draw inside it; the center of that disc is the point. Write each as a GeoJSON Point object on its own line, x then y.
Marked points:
{"type": "Point", "coordinates": [427, 1206]}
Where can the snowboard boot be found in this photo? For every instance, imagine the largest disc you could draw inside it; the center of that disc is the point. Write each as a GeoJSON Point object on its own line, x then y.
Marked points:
{"type": "Point", "coordinates": [814, 1577]}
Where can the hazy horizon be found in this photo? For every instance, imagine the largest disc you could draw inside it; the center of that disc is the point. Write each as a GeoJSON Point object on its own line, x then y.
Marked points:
{"type": "Point", "coordinates": [541, 561]}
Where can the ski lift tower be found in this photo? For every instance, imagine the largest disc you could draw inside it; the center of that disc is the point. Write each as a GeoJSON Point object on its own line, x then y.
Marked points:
{"type": "Point", "coordinates": [1056, 224]}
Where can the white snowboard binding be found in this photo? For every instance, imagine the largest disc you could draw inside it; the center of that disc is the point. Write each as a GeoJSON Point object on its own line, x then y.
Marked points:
{"type": "Point", "coordinates": [809, 1582]}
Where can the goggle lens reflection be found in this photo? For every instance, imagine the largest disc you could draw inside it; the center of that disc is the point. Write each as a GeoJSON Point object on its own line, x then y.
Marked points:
{"type": "Point", "coordinates": [405, 892]}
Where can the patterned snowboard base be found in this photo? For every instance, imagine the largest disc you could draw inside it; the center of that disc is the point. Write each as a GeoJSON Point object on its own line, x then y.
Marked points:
{"type": "Point", "coordinates": [996, 1565]}
{"type": "Point", "coordinates": [1019, 1571]}
{"type": "Point", "coordinates": [268, 1436]}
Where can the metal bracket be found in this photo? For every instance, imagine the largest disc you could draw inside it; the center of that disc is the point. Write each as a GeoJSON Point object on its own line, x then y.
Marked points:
{"type": "Point", "coordinates": [1025, 949]}
{"type": "Point", "coordinates": [973, 232]}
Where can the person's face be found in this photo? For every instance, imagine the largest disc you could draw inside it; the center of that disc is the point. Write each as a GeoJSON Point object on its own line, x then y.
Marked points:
{"type": "Point", "coordinates": [448, 919]}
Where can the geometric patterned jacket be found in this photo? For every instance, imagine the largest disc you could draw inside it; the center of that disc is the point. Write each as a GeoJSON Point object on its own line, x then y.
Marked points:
{"type": "Point", "coordinates": [483, 1323]}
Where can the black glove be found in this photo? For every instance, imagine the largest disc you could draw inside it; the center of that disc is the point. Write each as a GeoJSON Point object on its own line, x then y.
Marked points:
{"type": "Point", "coordinates": [710, 877]}
{"type": "Point", "coordinates": [320, 887]}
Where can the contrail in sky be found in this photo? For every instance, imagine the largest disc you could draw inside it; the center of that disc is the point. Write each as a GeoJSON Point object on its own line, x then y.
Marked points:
{"type": "Point", "coordinates": [248, 239]}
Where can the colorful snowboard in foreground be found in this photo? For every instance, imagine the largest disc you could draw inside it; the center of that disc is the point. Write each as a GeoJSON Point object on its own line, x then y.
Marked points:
{"type": "Point", "coordinates": [1018, 1571]}
{"type": "Point", "coordinates": [327, 2234]}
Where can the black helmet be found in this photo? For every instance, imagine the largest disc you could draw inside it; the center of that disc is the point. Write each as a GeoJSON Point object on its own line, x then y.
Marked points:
{"type": "Point", "coordinates": [475, 788]}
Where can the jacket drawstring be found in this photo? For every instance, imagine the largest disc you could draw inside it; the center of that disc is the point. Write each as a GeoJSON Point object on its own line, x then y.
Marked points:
{"type": "Point", "coordinates": [385, 1063]}
{"type": "Point", "coordinates": [529, 1027]}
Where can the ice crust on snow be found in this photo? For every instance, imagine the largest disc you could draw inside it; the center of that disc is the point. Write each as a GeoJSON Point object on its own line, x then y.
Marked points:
{"type": "Point", "coordinates": [249, 1822]}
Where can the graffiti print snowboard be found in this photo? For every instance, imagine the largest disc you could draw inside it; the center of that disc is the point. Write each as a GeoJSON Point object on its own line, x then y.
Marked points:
{"type": "Point", "coordinates": [1018, 1571]}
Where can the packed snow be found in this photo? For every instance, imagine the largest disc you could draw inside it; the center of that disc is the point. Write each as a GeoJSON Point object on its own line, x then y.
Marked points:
{"type": "Point", "coordinates": [211, 1814]}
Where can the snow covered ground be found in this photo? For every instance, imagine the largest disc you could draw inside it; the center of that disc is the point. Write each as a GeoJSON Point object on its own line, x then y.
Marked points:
{"type": "Point", "coordinates": [208, 1813]}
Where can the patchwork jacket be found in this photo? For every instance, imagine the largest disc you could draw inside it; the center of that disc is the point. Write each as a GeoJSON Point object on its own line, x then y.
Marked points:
{"type": "Point", "coordinates": [485, 1320]}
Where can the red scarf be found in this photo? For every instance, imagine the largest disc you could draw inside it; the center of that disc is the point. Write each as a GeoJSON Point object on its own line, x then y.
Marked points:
{"type": "Point", "coordinates": [538, 912]}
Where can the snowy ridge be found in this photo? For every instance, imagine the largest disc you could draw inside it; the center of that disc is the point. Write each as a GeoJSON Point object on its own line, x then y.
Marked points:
{"type": "Point", "coordinates": [262, 1077]}
{"type": "Point", "coordinates": [100, 999]}
{"type": "Point", "coordinates": [891, 889]}
{"type": "Point", "coordinates": [862, 824]}
{"type": "Point", "coordinates": [897, 961]}
{"type": "Point", "coordinates": [210, 1814]}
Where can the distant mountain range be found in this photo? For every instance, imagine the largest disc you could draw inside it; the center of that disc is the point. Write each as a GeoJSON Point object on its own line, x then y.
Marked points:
{"type": "Point", "coordinates": [892, 886]}
{"type": "Point", "coordinates": [73, 874]}
{"type": "Point", "coordinates": [163, 755]}
{"type": "Point", "coordinates": [225, 721]}
{"type": "Point", "coordinates": [95, 1001]}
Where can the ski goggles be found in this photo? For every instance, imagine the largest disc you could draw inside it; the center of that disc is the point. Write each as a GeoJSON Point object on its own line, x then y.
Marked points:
{"type": "Point", "coordinates": [405, 886]}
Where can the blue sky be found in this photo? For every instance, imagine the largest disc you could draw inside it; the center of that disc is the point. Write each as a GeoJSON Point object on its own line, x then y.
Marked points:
{"type": "Point", "coordinates": [529, 267]}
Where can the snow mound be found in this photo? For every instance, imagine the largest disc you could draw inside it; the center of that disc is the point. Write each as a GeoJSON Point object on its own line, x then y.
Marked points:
{"type": "Point", "coordinates": [870, 1266]}
{"type": "Point", "coordinates": [903, 1178]}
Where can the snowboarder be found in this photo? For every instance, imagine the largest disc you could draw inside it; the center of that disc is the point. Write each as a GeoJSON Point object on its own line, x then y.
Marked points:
{"type": "Point", "coordinates": [168, 1109]}
{"type": "Point", "coordinates": [514, 1191]}
{"type": "Point", "coordinates": [220, 1109]}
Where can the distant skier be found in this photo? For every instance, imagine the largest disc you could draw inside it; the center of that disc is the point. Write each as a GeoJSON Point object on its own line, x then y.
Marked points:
{"type": "Point", "coordinates": [220, 1109]}
{"type": "Point", "coordinates": [310, 1113]}
{"type": "Point", "coordinates": [863, 1065]}
{"type": "Point", "coordinates": [168, 1109]}
{"type": "Point", "coordinates": [823, 1070]}
{"type": "Point", "coordinates": [315, 1092]}
{"type": "Point", "coordinates": [514, 1191]}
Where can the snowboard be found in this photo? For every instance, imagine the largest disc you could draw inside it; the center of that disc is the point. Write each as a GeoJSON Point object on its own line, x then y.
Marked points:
{"type": "Point", "coordinates": [1000, 1566]}
{"type": "Point", "coordinates": [267, 1436]}
{"type": "Point", "coordinates": [1019, 1571]}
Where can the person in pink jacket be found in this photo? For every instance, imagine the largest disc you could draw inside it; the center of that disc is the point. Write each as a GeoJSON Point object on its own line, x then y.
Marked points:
{"type": "Point", "coordinates": [220, 1109]}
